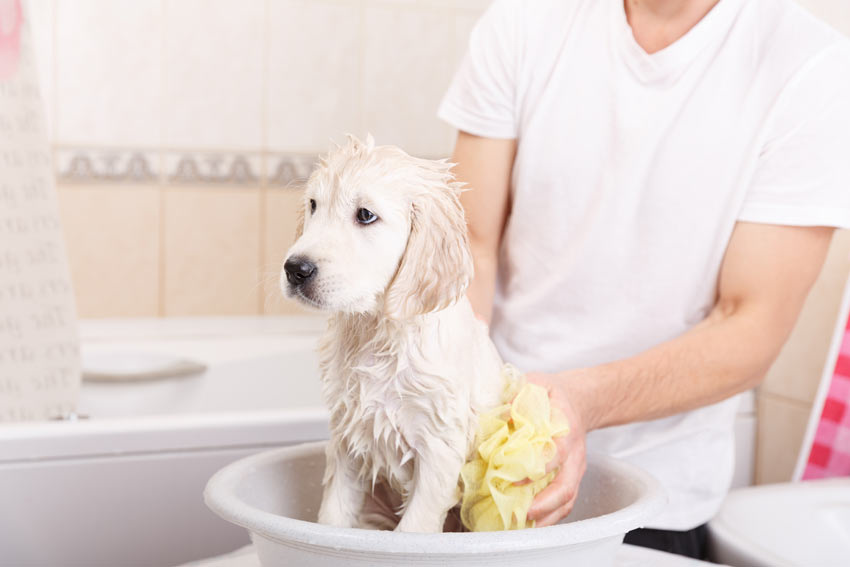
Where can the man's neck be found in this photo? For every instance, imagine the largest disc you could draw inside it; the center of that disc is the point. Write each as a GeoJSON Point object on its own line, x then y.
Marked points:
{"type": "Point", "coordinates": [658, 23]}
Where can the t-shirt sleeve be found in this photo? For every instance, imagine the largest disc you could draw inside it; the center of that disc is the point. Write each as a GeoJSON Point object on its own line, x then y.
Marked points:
{"type": "Point", "coordinates": [803, 173]}
{"type": "Point", "coordinates": [481, 97]}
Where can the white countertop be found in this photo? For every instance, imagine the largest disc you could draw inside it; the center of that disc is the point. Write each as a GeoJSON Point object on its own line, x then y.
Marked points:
{"type": "Point", "coordinates": [628, 556]}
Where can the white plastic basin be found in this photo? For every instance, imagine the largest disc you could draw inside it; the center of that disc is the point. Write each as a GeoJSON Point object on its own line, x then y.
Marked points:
{"type": "Point", "coordinates": [804, 523]}
{"type": "Point", "coordinates": [275, 495]}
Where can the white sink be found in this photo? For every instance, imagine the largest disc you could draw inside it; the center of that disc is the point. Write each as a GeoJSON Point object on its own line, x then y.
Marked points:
{"type": "Point", "coordinates": [805, 523]}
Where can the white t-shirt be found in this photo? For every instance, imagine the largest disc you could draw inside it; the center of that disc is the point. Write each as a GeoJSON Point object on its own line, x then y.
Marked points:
{"type": "Point", "coordinates": [631, 172]}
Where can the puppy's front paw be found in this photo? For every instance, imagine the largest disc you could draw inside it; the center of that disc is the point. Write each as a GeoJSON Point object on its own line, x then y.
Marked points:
{"type": "Point", "coordinates": [332, 514]}
{"type": "Point", "coordinates": [418, 525]}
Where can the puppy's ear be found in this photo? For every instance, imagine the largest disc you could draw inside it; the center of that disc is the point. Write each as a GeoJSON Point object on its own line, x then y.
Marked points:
{"type": "Point", "coordinates": [437, 265]}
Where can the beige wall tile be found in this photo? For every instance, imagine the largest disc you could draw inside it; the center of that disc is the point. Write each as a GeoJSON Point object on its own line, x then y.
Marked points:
{"type": "Point", "coordinates": [834, 12]}
{"type": "Point", "coordinates": [408, 63]}
{"type": "Point", "coordinates": [212, 251]}
{"type": "Point", "coordinates": [108, 72]}
{"type": "Point", "coordinates": [781, 427]}
{"type": "Point", "coordinates": [797, 371]}
{"type": "Point", "coordinates": [214, 73]}
{"type": "Point", "coordinates": [314, 73]}
{"type": "Point", "coordinates": [464, 24]}
{"type": "Point", "coordinates": [113, 246]}
{"type": "Point", "coordinates": [280, 218]}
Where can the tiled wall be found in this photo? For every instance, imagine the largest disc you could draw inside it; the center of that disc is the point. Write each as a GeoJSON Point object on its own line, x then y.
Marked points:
{"type": "Point", "coordinates": [178, 126]}
{"type": "Point", "coordinates": [786, 396]}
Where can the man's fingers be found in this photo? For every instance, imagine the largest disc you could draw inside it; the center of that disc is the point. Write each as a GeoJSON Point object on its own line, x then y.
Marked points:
{"type": "Point", "coordinates": [553, 464]}
{"type": "Point", "coordinates": [556, 516]}
{"type": "Point", "coordinates": [559, 491]}
{"type": "Point", "coordinates": [564, 507]}
{"type": "Point", "coordinates": [562, 491]}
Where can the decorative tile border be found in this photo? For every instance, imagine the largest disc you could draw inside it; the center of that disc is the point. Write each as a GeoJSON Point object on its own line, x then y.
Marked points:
{"type": "Point", "coordinates": [117, 166]}
{"type": "Point", "coordinates": [287, 171]}
{"type": "Point", "coordinates": [216, 169]}
{"type": "Point", "coordinates": [113, 166]}
{"type": "Point", "coordinates": [212, 169]}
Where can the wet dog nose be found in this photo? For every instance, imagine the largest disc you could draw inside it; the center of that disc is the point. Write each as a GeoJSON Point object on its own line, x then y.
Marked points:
{"type": "Point", "coordinates": [299, 270]}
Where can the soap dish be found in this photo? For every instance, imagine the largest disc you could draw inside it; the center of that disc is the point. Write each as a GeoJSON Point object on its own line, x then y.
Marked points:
{"type": "Point", "coordinates": [136, 366]}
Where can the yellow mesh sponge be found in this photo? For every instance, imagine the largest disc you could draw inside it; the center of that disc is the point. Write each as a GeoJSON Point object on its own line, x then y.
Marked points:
{"type": "Point", "coordinates": [514, 443]}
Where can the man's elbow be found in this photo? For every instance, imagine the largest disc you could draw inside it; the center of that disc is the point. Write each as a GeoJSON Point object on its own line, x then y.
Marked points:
{"type": "Point", "coordinates": [761, 330]}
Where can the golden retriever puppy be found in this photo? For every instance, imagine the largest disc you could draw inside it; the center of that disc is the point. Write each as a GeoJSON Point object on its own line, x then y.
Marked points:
{"type": "Point", "coordinates": [405, 364]}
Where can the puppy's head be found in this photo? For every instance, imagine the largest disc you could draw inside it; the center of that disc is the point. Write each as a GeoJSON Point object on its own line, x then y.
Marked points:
{"type": "Point", "coordinates": [380, 231]}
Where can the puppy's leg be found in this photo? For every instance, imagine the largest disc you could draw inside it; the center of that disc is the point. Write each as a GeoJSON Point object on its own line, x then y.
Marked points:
{"type": "Point", "coordinates": [344, 492]}
{"type": "Point", "coordinates": [435, 489]}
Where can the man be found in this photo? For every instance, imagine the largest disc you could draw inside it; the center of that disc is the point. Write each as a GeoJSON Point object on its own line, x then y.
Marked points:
{"type": "Point", "coordinates": [654, 188]}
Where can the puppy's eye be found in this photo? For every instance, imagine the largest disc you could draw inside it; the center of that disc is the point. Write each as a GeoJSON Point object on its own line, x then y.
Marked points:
{"type": "Point", "coordinates": [312, 205]}
{"type": "Point", "coordinates": [365, 216]}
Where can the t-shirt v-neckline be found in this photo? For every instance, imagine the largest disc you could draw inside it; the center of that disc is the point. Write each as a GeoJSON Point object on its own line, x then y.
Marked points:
{"type": "Point", "coordinates": [665, 65]}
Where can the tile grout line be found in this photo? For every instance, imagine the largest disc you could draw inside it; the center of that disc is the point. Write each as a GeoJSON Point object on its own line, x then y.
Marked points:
{"type": "Point", "coordinates": [264, 160]}
{"type": "Point", "coordinates": [227, 153]}
{"type": "Point", "coordinates": [361, 46]}
{"type": "Point", "coordinates": [54, 75]}
{"type": "Point", "coordinates": [458, 52]}
{"type": "Point", "coordinates": [786, 399]}
{"type": "Point", "coordinates": [53, 102]}
{"type": "Point", "coordinates": [160, 156]}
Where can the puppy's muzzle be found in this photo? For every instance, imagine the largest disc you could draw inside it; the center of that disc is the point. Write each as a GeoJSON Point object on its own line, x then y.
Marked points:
{"type": "Point", "coordinates": [299, 271]}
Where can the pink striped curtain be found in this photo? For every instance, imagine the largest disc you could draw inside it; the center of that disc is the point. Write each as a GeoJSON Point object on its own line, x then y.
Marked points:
{"type": "Point", "coordinates": [830, 452]}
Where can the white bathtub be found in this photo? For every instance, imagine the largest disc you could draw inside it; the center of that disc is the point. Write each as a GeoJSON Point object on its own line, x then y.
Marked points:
{"type": "Point", "coordinates": [124, 487]}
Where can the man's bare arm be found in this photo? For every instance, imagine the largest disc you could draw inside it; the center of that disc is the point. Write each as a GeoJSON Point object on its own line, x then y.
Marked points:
{"type": "Point", "coordinates": [765, 277]}
{"type": "Point", "coordinates": [485, 165]}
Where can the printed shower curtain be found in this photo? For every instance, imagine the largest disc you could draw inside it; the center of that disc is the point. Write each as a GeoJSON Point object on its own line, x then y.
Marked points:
{"type": "Point", "coordinates": [39, 349]}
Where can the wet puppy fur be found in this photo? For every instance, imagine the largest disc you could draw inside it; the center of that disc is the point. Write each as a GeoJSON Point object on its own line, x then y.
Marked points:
{"type": "Point", "coordinates": [405, 365]}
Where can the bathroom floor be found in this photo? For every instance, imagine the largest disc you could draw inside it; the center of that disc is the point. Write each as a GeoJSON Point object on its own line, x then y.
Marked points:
{"type": "Point", "coordinates": [629, 556]}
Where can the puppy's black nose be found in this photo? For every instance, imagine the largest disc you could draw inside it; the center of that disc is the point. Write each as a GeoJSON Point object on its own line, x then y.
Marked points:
{"type": "Point", "coordinates": [299, 270]}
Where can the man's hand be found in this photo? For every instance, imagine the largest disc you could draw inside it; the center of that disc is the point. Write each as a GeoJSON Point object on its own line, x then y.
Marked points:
{"type": "Point", "coordinates": [765, 277]}
{"type": "Point", "coordinates": [556, 501]}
